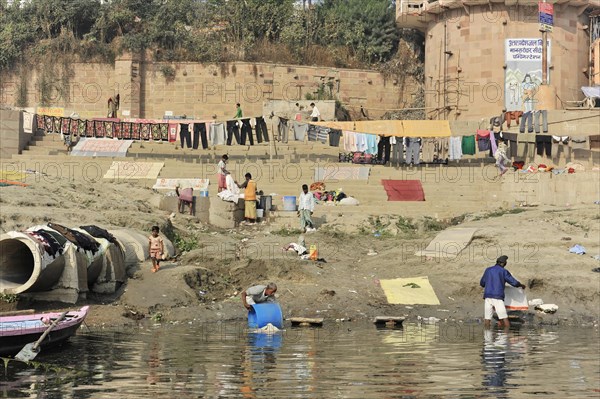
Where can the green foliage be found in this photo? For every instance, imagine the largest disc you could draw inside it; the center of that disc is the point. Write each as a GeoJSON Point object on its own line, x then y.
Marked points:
{"type": "Point", "coordinates": [431, 224]}
{"type": "Point", "coordinates": [406, 225]}
{"type": "Point", "coordinates": [185, 244]}
{"type": "Point", "coordinates": [168, 72]}
{"type": "Point", "coordinates": [368, 27]}
{"type": "Point", "coordinates": [9, 298]}
{"type": "Point", "coordinates": [334, 32]}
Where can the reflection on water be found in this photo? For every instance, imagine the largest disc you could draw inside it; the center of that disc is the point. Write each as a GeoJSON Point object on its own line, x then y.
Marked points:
{"type": "Point", "coordinates": [345, 361]}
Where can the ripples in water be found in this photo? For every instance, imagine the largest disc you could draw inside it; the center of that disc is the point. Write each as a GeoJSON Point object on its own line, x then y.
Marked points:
{"type": "Point", "coordinates": [344, 361]}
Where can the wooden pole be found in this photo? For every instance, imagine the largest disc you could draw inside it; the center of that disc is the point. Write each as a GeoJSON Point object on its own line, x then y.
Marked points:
{"type": "Point", "coordinates": [544, 57]}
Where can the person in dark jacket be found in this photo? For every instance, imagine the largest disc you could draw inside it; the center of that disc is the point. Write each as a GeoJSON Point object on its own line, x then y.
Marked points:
{"type": "Point", "coordinates": [493, 281]}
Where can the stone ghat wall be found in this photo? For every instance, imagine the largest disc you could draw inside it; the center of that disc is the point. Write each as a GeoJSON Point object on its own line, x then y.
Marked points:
{"type": "Point", "coordinates": [149, 90]}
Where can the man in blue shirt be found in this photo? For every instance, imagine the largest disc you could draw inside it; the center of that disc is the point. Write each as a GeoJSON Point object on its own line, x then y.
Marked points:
{"type": "Point", "coordinates": [493, 281]}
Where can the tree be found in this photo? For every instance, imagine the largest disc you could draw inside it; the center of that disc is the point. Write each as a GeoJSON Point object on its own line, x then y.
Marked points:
{"type": "Point", "coordinates": [366, 26]}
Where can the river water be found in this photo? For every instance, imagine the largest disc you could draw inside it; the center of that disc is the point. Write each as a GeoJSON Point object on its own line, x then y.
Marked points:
{"type": "Point", "coordinates": [346, 360]}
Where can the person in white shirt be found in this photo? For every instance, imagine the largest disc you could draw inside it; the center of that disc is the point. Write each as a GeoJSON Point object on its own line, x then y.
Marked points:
{"type": "Point", "coordinates": [306, 208]}
{"type": "Point", "coordinates": [315, 116]}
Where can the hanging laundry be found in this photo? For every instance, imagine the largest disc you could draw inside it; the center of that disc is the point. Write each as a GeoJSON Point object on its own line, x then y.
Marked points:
{"type": "Point", "coordinates": [262, 133]}
{"type": "Point", "coordinates": [312, 133]}
{"type": "Point", "coordinates": [334, 137]}
{"type": "Point", "coordinates": [322, 134]}
{"type": "Point", "coordinates": [200, 136]}
{"type": "Point", "coordinates": [543, 145]}
{"type": "Point", "coordinates": [145, 131]}
{"type": "Point", "coordinates": [350, 141]}
{"type": "Point", "coordinates": [65, 126]}
{"type": "Point", "coordinates": [136, 131]}
{"type": "Point", "coordinates": [372, 144]}
{"type": "Point", "coordinates": [300, 130]}
{"type": "Point", "coordinates": [428, 149]}
{"type": "Point", "coordinates": [56, 124]}
{"type": "Point", "coordinates": [155, 129]}
{"type": "Point", "coordinates": [512, 116]}
{"type": "Point", "coordinates": [233, 130]}
{"type": "Point", "coordinates": [196, 136]}
{"type": "Point", "coordinates": [455, 148]}
{"type": "Point", "coordinates": [89, 129]}
{"type": "Point", "coordinates": [483, 140]}
{"type": "Point", "coordinates": [185, 136]}
{"type": "Point", "coordinates": [99, 129]}
{"type": "Point", "coordinates": [108, 129]}
{"type": "Point", "coordinates": [246, 132]}
{"type": "Point", "coordinates": [468, 145]}
{"type": "Point", "coordinates": [413, 149]}
{"type": "Point", "coordinates": [384, 149]}
{"type": "Point", "coordinates": [74, 126]}
{"type": "Point", "coordinates": [579, 142]}
{"type": "Point", "coordinates": [164, 131]}
{"type": "Point", "coordinates": [543, 114]}
{"type": "Point", "coordinates": [283, 130]}
{"type": "Point", "coordinates": [397, 150]}
{"type": "Point", "coordinates": [39, 119]}
{"type": "Point", "coordinates": [361, 143]}
{"type": "Point", "coordinates": [217, 134]}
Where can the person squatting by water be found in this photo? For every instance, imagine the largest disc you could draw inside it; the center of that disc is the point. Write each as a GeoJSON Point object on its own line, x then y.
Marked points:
{"type": "Point", "coordinates": [156, 247]}
{"type": "Point", "coordinates": [259, 294]}
{"type": "Point", "coordinates": [493, 281]}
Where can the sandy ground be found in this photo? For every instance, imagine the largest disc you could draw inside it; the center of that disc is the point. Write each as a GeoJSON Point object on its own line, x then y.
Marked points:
{"type": "Point", "coordinates": [203, 283]}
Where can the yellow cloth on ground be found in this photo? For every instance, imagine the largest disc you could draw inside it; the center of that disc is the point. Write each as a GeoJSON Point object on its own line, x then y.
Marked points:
{"type": "Point", "coordinates": [420, 128]}
{"type": "Point", "coordinates": [400, 291]}
{"type": "Point", "coordinates": [11, 175]}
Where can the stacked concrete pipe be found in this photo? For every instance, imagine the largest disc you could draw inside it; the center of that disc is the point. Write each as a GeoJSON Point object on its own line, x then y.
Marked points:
{"type": "Point", "coordinates": [26, 267]}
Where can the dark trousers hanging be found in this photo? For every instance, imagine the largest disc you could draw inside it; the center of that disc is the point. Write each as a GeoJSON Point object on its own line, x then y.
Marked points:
{"type": "Point", "coordinates": [185, 136]}
{"type": "Point", "coordinates": [233, 130]}
{"type": "Point", "coordinates": [543, 144]}
{"type": "Point", "coordinates": [196, 136]}
{"type": "Point", "coordinates": [203, 136]}
{"type": "Point", "coordinates": [283, 130]}
{"type": "Point", "coordinates": [383, 150]}
{"type": "Point", "coordinates": [246, 131]}
{"type": "Point", "coordinates": [200, 136]}
{"type": "Point", "coordinates": [262, 133]}
{"type": "Point", "coordinates": [334, 137]}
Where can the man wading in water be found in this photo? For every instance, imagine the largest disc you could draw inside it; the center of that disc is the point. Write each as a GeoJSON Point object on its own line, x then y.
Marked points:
{"type": "Point", "coordinates": [493, 281]}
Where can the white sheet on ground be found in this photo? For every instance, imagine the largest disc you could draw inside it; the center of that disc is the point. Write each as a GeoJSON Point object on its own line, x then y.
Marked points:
{"type": "Point", "coordinates": [232, 193]}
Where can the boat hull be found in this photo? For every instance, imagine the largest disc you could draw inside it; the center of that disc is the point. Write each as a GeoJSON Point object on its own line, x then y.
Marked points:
{"type": "Point", "coordinates": [16, 332]}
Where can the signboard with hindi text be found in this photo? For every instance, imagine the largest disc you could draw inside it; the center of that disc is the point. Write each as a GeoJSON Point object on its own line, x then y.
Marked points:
{"type": "Point", "coordinates": [523, 59]}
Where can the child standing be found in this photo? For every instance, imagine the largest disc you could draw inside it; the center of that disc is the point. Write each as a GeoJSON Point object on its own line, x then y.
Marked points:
{"type": "Point", "coordinates": [222, 173]}
{"type": "Point", "coordinates": [156, 247]}
{"type": "Point", "coordinates": [501, 158]}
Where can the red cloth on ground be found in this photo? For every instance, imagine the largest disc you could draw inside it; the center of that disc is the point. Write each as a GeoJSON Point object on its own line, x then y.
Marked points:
{"type": "Point", "coordinates": [404, 190]}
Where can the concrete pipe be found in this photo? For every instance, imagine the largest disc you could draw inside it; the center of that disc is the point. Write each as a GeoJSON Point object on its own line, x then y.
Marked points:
{"type": "Point", "coordinates": [26, 266]}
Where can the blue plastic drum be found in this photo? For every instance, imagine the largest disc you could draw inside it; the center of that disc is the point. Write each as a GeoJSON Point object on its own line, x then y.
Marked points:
{"type": "Point", "coordinates": [262, 314]}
